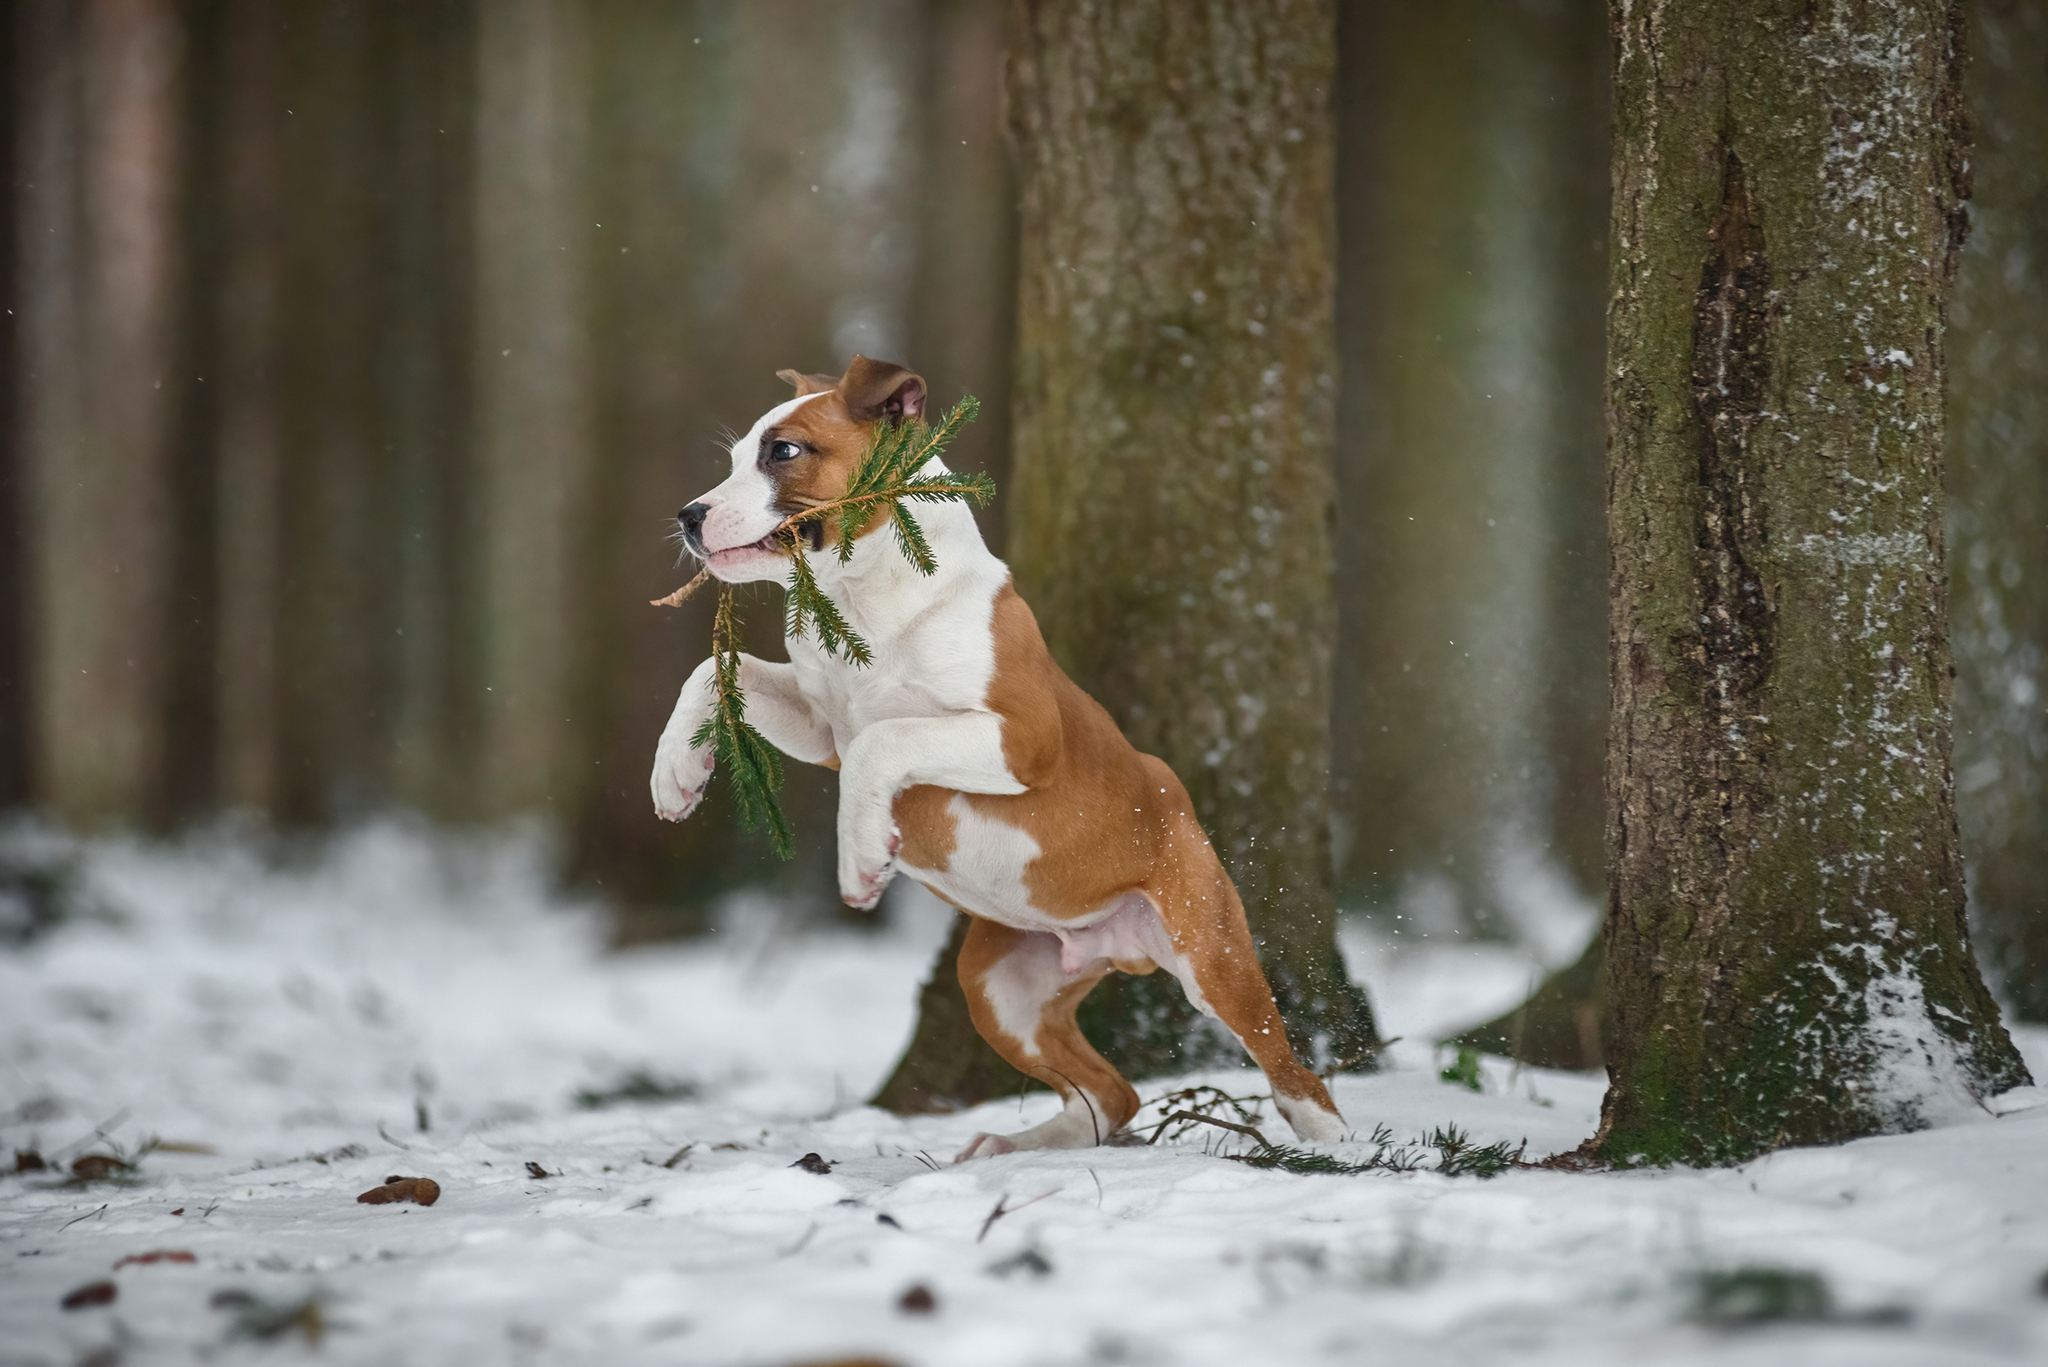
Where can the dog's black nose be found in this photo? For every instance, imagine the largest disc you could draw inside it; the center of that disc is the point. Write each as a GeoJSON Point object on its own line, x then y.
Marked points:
{"type": "Point", "coordinates": [692, 519]}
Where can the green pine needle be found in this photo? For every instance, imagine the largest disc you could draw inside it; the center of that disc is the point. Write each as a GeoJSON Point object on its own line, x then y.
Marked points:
{"type": "Point", "coordinates": [754, 765]}
{"type": "Point", "coordinates": [1456, 1156]}
{"type": "Point", "coordinates": [809, 606]}
{"type": "Point", "coordinates": [886, 475]}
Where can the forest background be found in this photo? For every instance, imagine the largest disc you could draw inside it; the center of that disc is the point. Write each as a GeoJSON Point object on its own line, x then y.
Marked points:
{"type": "Point", "coordinates": [358, 355]}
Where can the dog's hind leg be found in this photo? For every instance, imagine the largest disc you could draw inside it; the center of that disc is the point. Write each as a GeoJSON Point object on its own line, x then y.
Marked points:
{"type": "Point", "coordinates": [1022, 1001]}
{"type": "Point", "coordinates": [1218, 965]}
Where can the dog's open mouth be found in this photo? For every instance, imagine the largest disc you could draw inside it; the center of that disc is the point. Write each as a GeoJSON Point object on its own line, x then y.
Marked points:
{"type": "Point", "coordinates": [767, 543]}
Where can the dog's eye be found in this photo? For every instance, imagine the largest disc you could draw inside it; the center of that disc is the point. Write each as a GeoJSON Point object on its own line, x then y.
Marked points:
{"type": "Point", "coordinates": [784, 450]}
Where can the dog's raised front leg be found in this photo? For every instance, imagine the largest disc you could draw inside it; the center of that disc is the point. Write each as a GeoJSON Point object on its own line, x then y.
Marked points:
{"type": "Point", "coordinates": [963, 751]}
{"type": "Point", "coordinates": [775, 707]}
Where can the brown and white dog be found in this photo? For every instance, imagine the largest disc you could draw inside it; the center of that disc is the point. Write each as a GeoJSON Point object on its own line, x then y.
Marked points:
{"type": "Point", "coordinates": [970, 762]}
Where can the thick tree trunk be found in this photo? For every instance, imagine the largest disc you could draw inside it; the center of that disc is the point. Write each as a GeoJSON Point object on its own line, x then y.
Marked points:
{"type": "Point", "coordinates": [1998, 507]}
{"type": "Point", "coordinates": [1170, 500]}
{"type": "Point", "coordinates": [1787, 952]}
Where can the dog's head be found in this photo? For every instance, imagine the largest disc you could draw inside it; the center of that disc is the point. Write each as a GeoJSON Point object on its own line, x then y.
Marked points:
{"type": "Point", "coordinates": [799, 455]}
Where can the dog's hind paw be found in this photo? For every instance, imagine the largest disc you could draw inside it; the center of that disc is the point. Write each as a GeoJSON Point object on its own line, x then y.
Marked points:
{"type": "Point", "coordinates": [985, 1146]}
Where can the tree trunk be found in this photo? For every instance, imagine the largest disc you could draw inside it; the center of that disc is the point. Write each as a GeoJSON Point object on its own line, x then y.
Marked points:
{"type": "Point", "coordinates": [100, 252]}
{"type": "Point", "coordinates": [14, 650]}
{"type": "Point", "coordinates": [1472, 601]}
{"type": "Point", "coordinates": [1787, 953]}
{"type": "Point", "coordinates": [535, 437]}
{"type": "Point", "coordinates": [1998, 507]}
{"type": "Point", "coordinates": [1170, 500]}
{"type": "Point", "coordinates": [1564, 1023]}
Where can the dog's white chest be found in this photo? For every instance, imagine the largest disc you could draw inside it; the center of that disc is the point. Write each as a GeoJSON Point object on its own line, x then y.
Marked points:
{"type": "Point", "coordinates": [938, 662]}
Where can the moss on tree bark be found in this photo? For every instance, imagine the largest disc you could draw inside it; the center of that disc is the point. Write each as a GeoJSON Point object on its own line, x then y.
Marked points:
{"type": "Point", "coordinates": [1787, 954]}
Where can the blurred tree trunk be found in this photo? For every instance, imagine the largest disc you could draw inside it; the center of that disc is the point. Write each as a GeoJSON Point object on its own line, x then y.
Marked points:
{"type": "Point", "coordinates": [1787, 953]}
{"type": "Point", "coordinates": [663, 110]}
{"type": "Point", "coordinates": [1998, 506]}
{"type": "Point", "coordinates": [99, 253]}
{"type": "Point", "coordinates": [1171, 497]}
{"type": "Point", "coordinates": [1472, 242]}
{"type": "Point", "coordinates": [963, 307]}
{"type": "Point", "coordinates": [15, 784]}
{"type": "Point", "coordinates": [1565, 1023]}
{"type": "Point", "coordinates": [534, 388]}
{"type": "Point", "coordinates": [235, 328]}
{"type": "Point", "coordinates": [370, 405]}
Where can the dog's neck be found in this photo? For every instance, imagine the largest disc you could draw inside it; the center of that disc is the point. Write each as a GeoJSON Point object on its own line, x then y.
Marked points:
{"type": "Point", "coordinates": [880, 592]}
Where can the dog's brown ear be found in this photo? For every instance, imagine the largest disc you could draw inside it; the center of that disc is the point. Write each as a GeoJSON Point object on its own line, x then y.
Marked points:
{"type": "Point", "coordinates": [877, 389]}
{"type": "Point", "coordinates": [807, 384]}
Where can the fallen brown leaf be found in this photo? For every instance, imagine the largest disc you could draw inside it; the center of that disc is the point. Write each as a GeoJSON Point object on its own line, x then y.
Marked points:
{"type": "Point", "coordinates": [420, 1190]}
{"type": "Point", "coordinates": [94, 1166]}
{"type": "Point", "coordinates": [918, 1300]}
{"type": "Point", "coordinates": [157, 1255]}
{"type": "Point", "coordinates": [92, 1293]}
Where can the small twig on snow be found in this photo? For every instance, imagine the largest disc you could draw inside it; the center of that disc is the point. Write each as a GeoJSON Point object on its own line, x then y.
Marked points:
{"type": "Point", "coordinates": [1208, 1120]}
{"type": "Point", "coordinates": [103, 1210]}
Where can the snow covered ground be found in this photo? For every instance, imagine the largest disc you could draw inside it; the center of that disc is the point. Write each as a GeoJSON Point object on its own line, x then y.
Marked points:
{"type": "Point", "coordinates": [394, 1007]}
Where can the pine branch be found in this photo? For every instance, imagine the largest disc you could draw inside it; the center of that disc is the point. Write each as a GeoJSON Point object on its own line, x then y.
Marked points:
{"type": "Point", "coordinates": [809, 605]}
{"type": "Point", "coordinates": [754, 765]}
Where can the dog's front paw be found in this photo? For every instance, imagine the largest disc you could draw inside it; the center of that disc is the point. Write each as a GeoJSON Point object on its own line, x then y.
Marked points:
{"type": "Point", "coordinates": [681, 773]}
{"type": "Point", "coordinates": [862, 877]}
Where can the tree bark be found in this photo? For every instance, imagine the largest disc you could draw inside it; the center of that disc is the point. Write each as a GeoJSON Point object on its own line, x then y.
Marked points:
{"type": "Point", "coordinates": [1170, 500]}
{"type": "Point", "coordinates": [1787, 952]}
{"type": "Point", "coordinates": [1998, 505]}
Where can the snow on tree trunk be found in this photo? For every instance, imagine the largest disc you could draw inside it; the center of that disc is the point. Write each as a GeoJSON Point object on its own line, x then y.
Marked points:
{"type": "Point", "coordinates": [1998, 509]}
{"type": "Point", "coordinates": [1787, 951]}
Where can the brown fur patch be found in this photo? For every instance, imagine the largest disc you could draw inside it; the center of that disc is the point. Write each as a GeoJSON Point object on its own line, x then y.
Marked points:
{"type": "Point", "coordinates": [930, 833]}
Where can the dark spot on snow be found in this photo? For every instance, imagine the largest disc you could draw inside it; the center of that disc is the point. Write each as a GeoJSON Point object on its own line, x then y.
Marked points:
{"type": "Point", "coordinates": [890, 1221]}
{"type": "Point", "coordinates": [810, 1162]}
{"type": "Point", "coordinates": [918, 1300]}
{"type": "Point", "coordinates": [639, 1087]}
{"type": "Point", "coordinates": [1026, 1260]}
{"type": "Point", "coordinates": [1729, 1297]}
{"type": "Point", "coordinates": [536, 1171]}
{"type": "Point", "coordinates": [91, 1294]}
